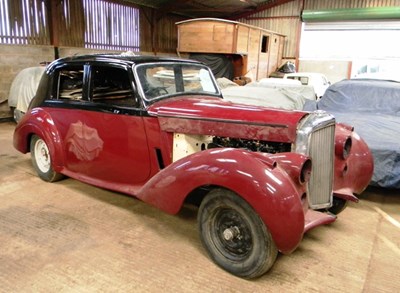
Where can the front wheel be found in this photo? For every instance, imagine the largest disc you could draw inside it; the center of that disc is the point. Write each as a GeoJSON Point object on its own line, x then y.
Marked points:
{"type": "Point", "coordinates": [338, 205]}
{"type": "Point", "coordinates": [234, 235]}
{"type": "Point", "coordinates": [41, 160]}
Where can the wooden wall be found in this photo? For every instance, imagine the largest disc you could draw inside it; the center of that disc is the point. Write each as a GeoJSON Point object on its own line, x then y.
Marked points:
{"type": "Point", "coordinates": [31, 40]}
{"type": "Point", "coordinates": [158, 33]}
{"type": "Point", "coordinates": [87, 23]}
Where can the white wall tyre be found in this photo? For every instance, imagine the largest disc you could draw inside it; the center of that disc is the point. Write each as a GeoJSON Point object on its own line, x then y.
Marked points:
{"type": "Point", "coordinates": [41, 160]}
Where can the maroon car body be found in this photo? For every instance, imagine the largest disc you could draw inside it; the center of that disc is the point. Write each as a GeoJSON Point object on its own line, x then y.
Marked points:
{"type": "Point", "coordinates": [158, 129]}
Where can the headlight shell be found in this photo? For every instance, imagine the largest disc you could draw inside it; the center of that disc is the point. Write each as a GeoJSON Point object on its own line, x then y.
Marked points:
{"type": "Point", "coordinates": [305, 172]}
{"type": "Point", "coordinates": [343, 147]}
{"type": "Point", "coordinates": [347, 147]}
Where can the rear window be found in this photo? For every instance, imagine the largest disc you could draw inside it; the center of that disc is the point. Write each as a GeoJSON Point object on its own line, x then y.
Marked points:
{"type": "Point", "coordinates": [70, 83]}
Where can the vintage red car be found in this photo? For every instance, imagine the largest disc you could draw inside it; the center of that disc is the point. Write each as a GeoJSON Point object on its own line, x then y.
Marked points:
{"type": "Point", "coordinates": [159, 129]}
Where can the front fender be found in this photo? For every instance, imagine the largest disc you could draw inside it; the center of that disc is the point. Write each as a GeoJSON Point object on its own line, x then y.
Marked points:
{"type": "Point", "coordinates": [353, 173]}
{"type": "Point", "coordinates": [260, 181]}
{"type": "Point", "coordinates": [41, 124]}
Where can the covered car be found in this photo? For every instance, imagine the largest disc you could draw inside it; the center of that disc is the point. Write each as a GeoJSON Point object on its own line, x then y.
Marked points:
{"type": "Point", "coordinates": [287, 67]}
{"type": "Point", "coordinates": [268, 92]}
{"type": "Point", "coordinates": [23, 88]}
{"type": "Point", "coordinates": [372, 107]}
{"type": "Point", "coordinates": [317, 80]}
{"type": "Point", "coordinates": [158, 129]}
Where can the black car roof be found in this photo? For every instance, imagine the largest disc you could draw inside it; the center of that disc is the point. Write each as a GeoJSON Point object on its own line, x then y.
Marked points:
{"type": "Point", "coordinates": [124, 58]}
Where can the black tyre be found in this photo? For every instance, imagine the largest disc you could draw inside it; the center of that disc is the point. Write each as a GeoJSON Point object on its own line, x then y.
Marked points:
{"type": "Point", "coordinates": [234, 235]}
{"type": "Point", "coordinates": [41, 160]}
{"type": "Point", "coordinates": [338, 205]}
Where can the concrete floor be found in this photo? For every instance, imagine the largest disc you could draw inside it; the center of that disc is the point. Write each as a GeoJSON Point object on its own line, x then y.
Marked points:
{"type": "Point", "coordinates": [72, 237]}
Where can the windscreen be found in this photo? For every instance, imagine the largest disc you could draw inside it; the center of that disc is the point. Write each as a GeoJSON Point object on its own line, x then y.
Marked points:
{"type": "Point", "coordinates": [158, 80]}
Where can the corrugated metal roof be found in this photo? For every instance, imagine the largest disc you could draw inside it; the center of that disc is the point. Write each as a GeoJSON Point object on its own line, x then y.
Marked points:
{"type": "Point", "coordinates": [206, 8]}
{"type": "Point", "coordinates": [324, 4]}
{"type": "Point", "coordinates": [235, 9]}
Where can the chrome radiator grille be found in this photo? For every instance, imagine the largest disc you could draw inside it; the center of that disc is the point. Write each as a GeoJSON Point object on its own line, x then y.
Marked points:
{"type": "Point", "coordinates": [316, 139]}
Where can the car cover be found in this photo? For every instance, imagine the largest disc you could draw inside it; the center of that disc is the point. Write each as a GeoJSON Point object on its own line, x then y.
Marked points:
{"type": "Point", "coordinates": [24, 86]}
{"type": "Point", "coordinates": [280, 98]}
{"type": "Point", "coordinates": [372, 107]}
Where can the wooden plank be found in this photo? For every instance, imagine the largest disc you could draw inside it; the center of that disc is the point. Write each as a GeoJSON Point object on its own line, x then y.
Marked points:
{"type": "Point", "coordinates": [253, 53]}
{"type": "Point", "coordinates": [206, 36]}
{"type": "Point", "coordinates": [242, 39]}
{"type": "Point", "coordinates": [275, 58]}
{"type": "Point", "coordinates": [54, 25]}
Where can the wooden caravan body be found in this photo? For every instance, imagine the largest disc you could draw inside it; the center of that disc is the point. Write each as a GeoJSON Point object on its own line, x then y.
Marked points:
{"type": "Point", "coordinates": [256, 52]}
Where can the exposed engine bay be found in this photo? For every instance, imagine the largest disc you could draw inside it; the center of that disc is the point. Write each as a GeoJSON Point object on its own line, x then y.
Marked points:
{"type": "Point", "coordinates": [186, 144]}
{"type": "Point", "coordinates": [251, 145]}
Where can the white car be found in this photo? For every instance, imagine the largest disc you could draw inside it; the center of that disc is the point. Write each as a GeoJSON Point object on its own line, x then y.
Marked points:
{"type": "Point", "coordinates": [317, 80]}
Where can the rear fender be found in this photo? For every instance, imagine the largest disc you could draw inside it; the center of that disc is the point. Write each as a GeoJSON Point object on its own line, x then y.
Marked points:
{"type": "Point", "coordinates": [259, 180]}
{"type": "Point", "coordinates": [42, 125]}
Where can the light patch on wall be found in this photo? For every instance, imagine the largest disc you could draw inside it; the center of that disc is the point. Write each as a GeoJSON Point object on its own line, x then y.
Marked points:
{"type": "Point", "coordinates": [346, 41]}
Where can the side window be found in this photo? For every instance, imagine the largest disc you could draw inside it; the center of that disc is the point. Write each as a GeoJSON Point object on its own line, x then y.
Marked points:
{"type": "Point", "coordinates": [70, 83]}
{"type": "Point", "coordinates": [264, 44]}
{"type": "Point", "coordinates": [111, 85]}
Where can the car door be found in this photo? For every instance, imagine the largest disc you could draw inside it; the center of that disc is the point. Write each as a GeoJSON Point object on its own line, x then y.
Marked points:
{"type": "Point", "coordinates": [101, 124]}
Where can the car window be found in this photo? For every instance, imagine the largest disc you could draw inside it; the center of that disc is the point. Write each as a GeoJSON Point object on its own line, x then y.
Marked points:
{"type": "Point", "coordinates": [70, 83]}
{"type": "Point", "coordinates": [303, 80]}
{"type": "Point", "coordinates": [158, 80]}
{"type": "Point", "coordinates": [111, 85]}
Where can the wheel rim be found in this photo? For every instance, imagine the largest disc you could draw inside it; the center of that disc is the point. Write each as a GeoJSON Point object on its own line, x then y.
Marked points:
{"type": "Point", "coordinates": [231, 234]}
{"type": "Point", "coordinates": [42, 156]}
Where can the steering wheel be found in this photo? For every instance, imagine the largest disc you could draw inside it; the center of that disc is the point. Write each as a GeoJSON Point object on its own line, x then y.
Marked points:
{"type": "Point", "coordinates": [156, 91]}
